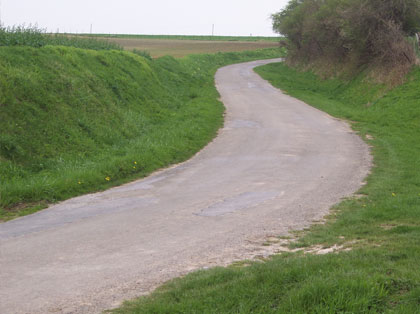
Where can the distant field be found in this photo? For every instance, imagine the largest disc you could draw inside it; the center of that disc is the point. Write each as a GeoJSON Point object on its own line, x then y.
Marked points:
{"type": "Point", "coordinates": [180, 48]}
{"type": "Point", "coordinates": [189, 37]}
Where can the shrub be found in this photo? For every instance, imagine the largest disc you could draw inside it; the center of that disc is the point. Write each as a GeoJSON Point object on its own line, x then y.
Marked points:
{"type": "Point", "coordinates": [364, 32]}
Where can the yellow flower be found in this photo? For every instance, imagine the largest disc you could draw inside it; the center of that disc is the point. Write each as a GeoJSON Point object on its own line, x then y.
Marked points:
{"type": "Point", "coordinates": [393, 194]}
{"type": "Point", "coordinates": [79, 182]}
{"type": "Point", "coordinates": [108, 179]}
{"type": "Point", "coordinates": [134, 167]}
{"type": "Point", "coordinates": [135, 162]}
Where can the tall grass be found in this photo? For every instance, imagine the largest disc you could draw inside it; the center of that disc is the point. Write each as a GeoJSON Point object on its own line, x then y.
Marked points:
{"type": "Point", "coordinates": [33, 36]}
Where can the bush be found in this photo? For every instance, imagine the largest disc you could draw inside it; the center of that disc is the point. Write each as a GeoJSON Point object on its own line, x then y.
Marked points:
{"type": "Point", "coordinates": [364, 32]}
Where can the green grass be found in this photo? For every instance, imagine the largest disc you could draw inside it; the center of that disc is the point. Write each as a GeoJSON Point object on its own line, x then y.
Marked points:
{"type": "Point", "coordinates": [190, 37]}
{"type": "Point", "coordinates": [75, 121]}
{"type": "Point", "coordinates": [34, 37]}
{"type": "Point", "coordinates": [381, 273]}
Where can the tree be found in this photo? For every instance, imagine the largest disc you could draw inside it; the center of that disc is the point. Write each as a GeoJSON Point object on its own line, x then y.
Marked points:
{"type": "Point", "coordinates": [372, 32]}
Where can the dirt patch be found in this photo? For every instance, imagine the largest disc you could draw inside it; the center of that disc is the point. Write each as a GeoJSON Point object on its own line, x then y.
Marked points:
{"type": "Point", "coordinates": [273, 245]}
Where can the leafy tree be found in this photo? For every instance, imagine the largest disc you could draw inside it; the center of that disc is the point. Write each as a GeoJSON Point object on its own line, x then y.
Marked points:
{"type": "Point", "coordinates": [368, 32]}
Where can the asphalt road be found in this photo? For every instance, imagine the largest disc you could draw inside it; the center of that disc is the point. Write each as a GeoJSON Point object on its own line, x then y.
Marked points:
{"type": "Point", "coordinates": [277, 165]}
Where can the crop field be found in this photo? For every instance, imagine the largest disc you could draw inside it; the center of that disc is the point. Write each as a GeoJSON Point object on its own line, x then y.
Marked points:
{"type": "Point", "coordinates": [181, 47]}
{"type": "Point", "coordinates": [148, 45]}
{"type": "Point", "coordinates": [188, 37]}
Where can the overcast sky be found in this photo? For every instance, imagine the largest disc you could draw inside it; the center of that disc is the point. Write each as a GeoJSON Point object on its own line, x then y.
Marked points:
{"type": "Point", "coordinates": [178, 17]}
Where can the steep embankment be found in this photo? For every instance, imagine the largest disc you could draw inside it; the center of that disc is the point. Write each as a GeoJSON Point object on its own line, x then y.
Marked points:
{"type": "Point", "coordinates": [74, 120]}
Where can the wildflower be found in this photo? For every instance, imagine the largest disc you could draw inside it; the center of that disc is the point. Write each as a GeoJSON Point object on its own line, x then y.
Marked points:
{"type": "Point", "coordinates": [393, 194]}
{"type": "Point", "coordinates": [79, 182]}
{"type": "Point", "coordinates": [135, 162]}
{"type": "Point", "coordinates": [134, 167]}
{"type": "Point", "coordinates": [108, 179]}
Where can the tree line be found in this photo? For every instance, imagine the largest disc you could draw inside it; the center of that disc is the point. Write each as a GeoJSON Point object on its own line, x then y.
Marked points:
{"type": "Point", "coordinates": [360, 32]}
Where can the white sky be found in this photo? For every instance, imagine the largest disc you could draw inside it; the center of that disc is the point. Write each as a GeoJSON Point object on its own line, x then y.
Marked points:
{"type": "Point", "coordinates": [179, 17]}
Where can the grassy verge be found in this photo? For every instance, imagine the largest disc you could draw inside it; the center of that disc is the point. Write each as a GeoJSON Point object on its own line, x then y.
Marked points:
{"type": "Point", "coordinates": [75, 121]}
{"type": "Point", "coordinates": [379, 273]}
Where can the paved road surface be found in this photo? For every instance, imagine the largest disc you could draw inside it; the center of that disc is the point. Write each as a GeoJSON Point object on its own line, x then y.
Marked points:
{"type": "Point", "coordinates": [277, 165]}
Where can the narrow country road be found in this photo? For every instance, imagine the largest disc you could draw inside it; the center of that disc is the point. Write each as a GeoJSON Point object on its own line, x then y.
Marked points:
{"type": "Point", "coordinates": [277, 165]}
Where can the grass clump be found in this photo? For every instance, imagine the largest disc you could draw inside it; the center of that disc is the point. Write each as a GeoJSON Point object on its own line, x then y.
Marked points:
{"type": "Point", "coordinates": [143, 53]}
{"type": "Point", "coordinates": [380, 274]}
{"type": "Point", "coordinates": [32, 36]}
{"type": "Point", "coordinates": [75, 121]}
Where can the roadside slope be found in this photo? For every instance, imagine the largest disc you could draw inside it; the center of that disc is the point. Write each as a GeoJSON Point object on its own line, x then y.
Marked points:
{"type": "Point", "coordinates": [75, 121]}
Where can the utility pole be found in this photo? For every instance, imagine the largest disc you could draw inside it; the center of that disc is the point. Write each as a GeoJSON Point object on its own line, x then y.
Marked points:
{"type": "Point", "coordinates": [1, 24]}
{"type": "Point", "coordinates": [212, 31]}
{"type": "Point", "coordinates": [91, 29]}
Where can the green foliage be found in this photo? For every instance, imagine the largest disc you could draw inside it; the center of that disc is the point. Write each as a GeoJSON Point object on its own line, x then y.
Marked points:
{"type": "Point", "coordinates": [34, 37]}
{"type": "Point", "coordinates": [380, 274]}
{"type": "Point", "coordinates": [143, 53]}
{"type": "Point", "coordinates": [70, 118]}
{"type": "Point", "coordinates": [364, 32]}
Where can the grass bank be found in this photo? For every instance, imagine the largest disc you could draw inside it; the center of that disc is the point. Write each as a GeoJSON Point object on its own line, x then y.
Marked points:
{"type": "Point", "coordinates": [75, 121]}
{"type": "Point", "coordinates": [379, 272]}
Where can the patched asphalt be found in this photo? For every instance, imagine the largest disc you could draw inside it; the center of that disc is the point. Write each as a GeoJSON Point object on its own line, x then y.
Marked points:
{"type": "Point", "coordinates": [277, 165]}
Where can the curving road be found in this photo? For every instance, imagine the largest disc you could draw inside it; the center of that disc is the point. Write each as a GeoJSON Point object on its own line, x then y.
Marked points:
{"type": "Point", "coordinates": [278, 164]}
